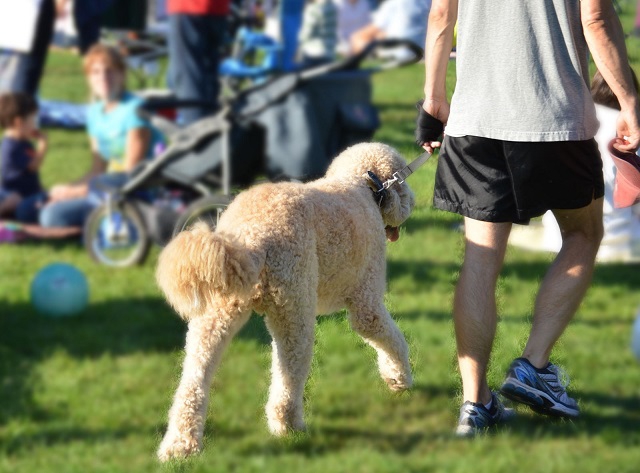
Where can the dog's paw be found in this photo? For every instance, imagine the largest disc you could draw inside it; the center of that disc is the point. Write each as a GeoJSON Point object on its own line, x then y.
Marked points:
{"type": "Point", "coordinates": [282, 421]}
{"type": "Point", "coordinates": [280, 429]}
{"type": "Point", "coordinates": [175, 448]}
{"type": "Point", "coordinates": [399, 383]}
{"type": "Point", "coordinates": [277, 428]}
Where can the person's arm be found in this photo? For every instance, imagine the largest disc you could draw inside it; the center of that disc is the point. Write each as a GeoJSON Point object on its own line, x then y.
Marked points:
{"type": "Point", "coordinates": [442, 20]}
{"type": "Point", "coordinates": [137, 147]}
{"type": "Point", "coordinates": [41, 150]}
{"type": "Point", "coordinates": [80, 188]}
{"type": "Point", "coordinates": [61, 8]}
{"type": "Point", "coordinates": [605, 39]}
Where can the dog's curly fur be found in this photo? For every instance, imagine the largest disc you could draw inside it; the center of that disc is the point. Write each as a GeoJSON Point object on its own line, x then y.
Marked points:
{"type": "Point", "coordinates": [289, 251]}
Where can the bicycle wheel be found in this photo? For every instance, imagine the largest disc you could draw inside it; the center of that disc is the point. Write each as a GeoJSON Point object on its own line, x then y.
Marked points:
{"type": "Point", "coordinates": [205, 209]}
{"type": "Point", "coordinates": [116, 235]}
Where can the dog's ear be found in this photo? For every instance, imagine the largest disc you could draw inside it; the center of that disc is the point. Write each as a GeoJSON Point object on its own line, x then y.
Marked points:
{"type": "Point", "coordinates": [398, 205]}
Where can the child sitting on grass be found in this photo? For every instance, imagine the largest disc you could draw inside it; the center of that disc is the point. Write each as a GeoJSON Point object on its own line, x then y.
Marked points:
{"type": "Point", "coordinates": [20, 160]}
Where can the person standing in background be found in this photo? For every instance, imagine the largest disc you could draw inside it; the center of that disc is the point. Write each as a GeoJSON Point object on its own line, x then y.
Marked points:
{"type": "Point", "coordinates": [87, 19]}
{"type": "Point", "coordinates": [352, 15]}
{"type": "Point", "coordinates": [87, 15]}
{"type": "Point", "coordinates": [26, 67]}
{"type": "Point", "coordinates": [196, 33]}
{"type": "Point", "coordinates": [318, 37]}
{"type": "Point", "coordinates": [394, 19]}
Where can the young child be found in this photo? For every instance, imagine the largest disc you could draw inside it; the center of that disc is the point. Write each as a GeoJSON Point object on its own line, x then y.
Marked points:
{"type": "Point", "coordinates": [19, 159]}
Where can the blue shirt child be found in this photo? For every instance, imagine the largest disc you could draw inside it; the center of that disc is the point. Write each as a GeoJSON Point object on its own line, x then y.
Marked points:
{"type": "Point", "coordinates": [110, 130]}
{"type": "Point", "coordinates": [15, 175]}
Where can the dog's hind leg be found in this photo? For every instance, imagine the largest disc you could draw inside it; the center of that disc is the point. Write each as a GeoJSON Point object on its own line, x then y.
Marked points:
{"type": "Point", "coordinates": [293, 335]}
{"type": "Point", "coordinates": [372, 321]}
{"type": "Point", "coordinates": [207, 337]}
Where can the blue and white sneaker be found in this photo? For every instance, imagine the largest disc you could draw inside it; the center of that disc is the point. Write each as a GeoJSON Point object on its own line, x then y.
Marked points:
{"type": "Point", "coordinates": [475, 418]}
{"type": "Point", "coordinates": [544, 390]}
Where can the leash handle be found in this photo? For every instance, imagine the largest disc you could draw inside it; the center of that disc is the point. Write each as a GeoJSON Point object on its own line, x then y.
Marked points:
{"type": "Point", "coordinates": [401, 175]}
{"type": "Point", "coordinates": [379, 188]}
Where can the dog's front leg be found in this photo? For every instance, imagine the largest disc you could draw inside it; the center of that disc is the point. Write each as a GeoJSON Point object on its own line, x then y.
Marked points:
{"type": "Point", "coordinates": [293, 335]}
{"type": "Point", "coordinates": [376, 326]}
{"type": "Point", "coordinates": [206, 340]}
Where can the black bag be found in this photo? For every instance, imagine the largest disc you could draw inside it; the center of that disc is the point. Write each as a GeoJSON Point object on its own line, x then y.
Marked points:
{"type": "Point", "coordinates": [315, 122]}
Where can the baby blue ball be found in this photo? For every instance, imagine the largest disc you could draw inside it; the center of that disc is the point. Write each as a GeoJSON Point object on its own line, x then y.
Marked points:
{"type": "Point", "coordinates": [59, 290]}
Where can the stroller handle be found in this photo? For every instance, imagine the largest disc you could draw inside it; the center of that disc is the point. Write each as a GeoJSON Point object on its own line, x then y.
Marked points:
{"type": "Point", "coordinates": [154, 104]}
{"type": "Point", "coordinates": [248, 103]}
{"type": "Point", "coordinates": [279, 86]}
{"type": "Point", "coordinates": [417, 51]}
{"type": "Point", "coordinates": [353, 62]}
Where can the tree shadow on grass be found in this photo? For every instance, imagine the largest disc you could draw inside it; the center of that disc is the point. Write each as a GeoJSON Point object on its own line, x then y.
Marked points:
{"type": "Point", "coordinates": [434, 220]}
{"type": "Point", "coordinates": [510, 319]}
{"type": "Point", "coordinates": [620, 426]}
{"type": "Point", "coordinates": [114, 328]}
{"type": "Point", "coordinates": [329, 434]}
{"type": "Point", "coordinates": [63, 435]}
{"type": "Point", "coordinates": [624, 276]}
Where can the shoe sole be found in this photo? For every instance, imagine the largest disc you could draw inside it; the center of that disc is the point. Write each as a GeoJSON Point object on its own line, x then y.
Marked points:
{"type": "Point", "coordinates": [537, 400]}
{"type": "Point", "coordinates": [468, 431]}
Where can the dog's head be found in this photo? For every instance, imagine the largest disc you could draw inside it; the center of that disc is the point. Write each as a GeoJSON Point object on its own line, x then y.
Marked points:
{"type": "Point", "coordinates": [383, 160]}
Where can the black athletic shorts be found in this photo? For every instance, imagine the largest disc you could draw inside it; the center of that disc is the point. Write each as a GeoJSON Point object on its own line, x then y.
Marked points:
{"type": "Point", "coordinates": [509, 181]}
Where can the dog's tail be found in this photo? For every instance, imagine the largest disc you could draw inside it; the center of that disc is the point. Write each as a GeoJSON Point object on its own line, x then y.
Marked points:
{"type": "Point", "coordinates": [200, 268]}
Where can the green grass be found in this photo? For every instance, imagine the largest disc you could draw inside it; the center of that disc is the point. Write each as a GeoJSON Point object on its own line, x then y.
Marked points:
{"type": "Point", "coordinates": [91, 393]}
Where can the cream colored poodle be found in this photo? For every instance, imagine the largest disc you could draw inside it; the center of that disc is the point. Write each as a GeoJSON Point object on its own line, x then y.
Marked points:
{"type": "Point", "coordinates": [289, 251]}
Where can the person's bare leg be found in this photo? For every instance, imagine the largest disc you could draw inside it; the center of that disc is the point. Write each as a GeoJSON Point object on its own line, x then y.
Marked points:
{"type": "Point", "coordinates": [474, 306]}
{"type": "Point", "coordinates": [37, 231]}
{"type": "Point", "coordinates": [566, 281]}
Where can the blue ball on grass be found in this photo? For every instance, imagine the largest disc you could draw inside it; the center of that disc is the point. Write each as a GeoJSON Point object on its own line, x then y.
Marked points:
{"type": "Point", "coordinates": [59, 290]}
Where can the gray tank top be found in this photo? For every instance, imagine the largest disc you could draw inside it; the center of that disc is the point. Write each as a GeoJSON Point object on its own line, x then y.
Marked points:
{"type": "Point", "coordinates": [522, 72]}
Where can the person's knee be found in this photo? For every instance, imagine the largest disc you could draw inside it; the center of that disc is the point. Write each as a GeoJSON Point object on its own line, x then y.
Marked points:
{"type": "Point", "coordinates": [28, 209]}
{"type": "Point", "coordinates": [586, 239]}
{"type": "Point", "coordinates": [49, 217]}
{"type": "Point", "coordinates": [582, 228]}
{"type": "Point", "coordinates": [64, 214]}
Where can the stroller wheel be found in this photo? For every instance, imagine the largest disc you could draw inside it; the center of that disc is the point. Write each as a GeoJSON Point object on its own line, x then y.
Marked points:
{"type": "Point", "coordinates": [116, 236]}
{"type": "Point", "coordinates": [205, 209]}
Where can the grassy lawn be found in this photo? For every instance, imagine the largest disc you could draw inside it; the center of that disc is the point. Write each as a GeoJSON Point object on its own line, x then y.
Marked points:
{"type": "Point", "coordinates": [91, 393]}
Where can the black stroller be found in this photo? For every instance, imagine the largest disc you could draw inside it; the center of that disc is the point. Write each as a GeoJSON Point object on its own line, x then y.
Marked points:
{"type": "Point", "coordinates": [288, 128]}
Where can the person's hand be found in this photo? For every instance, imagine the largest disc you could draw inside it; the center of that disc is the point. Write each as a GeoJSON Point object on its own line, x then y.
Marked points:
{"type": "Point", "coordinates": [628, 130]}
{"type": "Point", "coordinates": [42, 142]}
{"type": "Point", "coordinates": [62, 192]}
{"type": "Point", "coordinates": [61, 8]}
{"type": "Point", "coordinates": [40, 136]}
{"type": "Point", "coordinates": [432, 110]}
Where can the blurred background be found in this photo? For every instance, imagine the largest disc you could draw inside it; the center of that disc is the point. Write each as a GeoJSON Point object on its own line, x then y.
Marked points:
{"type": "Point", "coordinates": [90, 392]}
